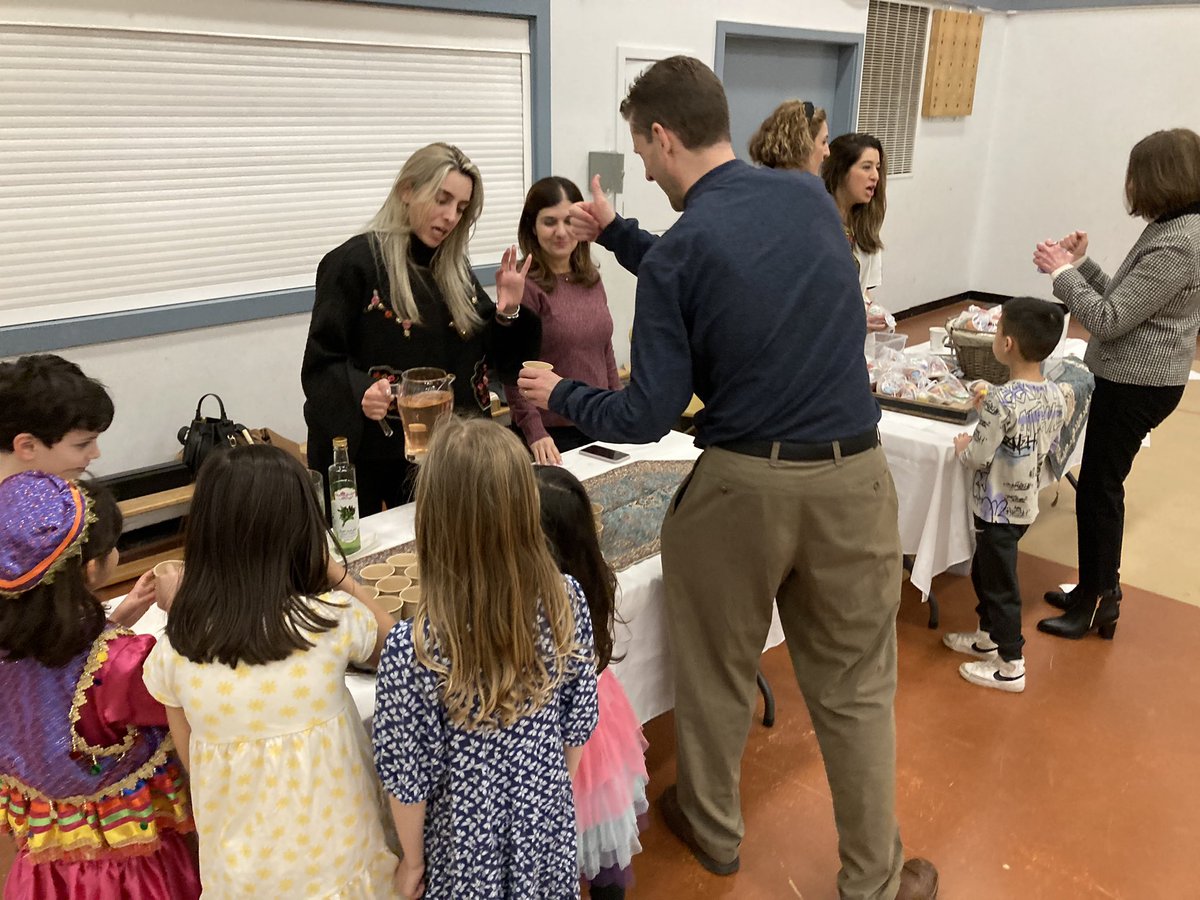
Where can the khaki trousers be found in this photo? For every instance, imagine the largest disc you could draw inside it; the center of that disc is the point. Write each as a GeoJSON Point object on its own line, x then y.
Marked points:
{"type": "Point", "coordinates": [821, 539]}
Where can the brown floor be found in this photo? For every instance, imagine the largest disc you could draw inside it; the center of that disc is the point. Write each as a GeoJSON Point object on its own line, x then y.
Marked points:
{"type": "Point", "coordinates": [1084, 786]}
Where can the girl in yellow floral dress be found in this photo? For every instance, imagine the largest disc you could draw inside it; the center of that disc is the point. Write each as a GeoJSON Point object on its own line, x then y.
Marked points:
{"type": "Point", "coordinates": [252, 675]}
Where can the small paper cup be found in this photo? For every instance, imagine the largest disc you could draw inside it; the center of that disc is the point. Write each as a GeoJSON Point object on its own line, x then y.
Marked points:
{"type": "Point", "coordinates": [538, 364]}
{"type": "Point", "coordinates": [168, 567]}
{"type": "Point", "coordinates": [392, 603]}
{"type": "Point", "coordinates": [376, 572]}
{"type": "Point", "coordinates": [414, 572]}
{"type": "Point", "coordinates": [402, 560]}
{"type": "Point", "coordinates": [393, 584]}
{"type": "Point", "coordinates": [372, 592]}
{"type": "Point", "coordinates": [411, 594]}
{"type": "Point", "coordinates": [168, 575]}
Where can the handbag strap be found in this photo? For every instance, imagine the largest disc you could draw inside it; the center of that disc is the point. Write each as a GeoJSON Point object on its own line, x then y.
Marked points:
{"type": "Point", "coordinates": [220, 403]}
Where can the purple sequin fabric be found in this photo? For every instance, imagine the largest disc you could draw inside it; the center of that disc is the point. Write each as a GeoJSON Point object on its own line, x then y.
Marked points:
{"type": "Point", "coordinates": [42, 519]}
{"type": "Point", "coordinates": [35, 733]}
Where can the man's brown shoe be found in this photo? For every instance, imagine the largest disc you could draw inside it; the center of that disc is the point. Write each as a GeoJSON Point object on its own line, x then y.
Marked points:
{"type": "Point", "coordinates": [668, 804]}
{"type": "Point", "coordinates": [918, 880]}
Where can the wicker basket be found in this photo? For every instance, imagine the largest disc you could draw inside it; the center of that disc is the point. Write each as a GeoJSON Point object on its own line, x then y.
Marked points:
{"type": "Point", "coordinates": [975, 357]}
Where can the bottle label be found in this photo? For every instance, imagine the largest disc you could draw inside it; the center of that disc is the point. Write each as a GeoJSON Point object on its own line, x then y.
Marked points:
{"type": "Point", "coordinates": [345, 515]}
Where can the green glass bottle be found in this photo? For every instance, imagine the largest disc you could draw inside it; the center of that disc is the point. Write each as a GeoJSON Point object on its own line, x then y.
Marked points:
{"type": "Point", "coordinates": [343, 498]}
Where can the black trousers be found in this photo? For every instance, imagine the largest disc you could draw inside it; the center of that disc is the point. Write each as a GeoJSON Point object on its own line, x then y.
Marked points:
{"type": "Point", "coordinates": [1121, 416]}
{"type": "Point", "coordinates": [994, 576]}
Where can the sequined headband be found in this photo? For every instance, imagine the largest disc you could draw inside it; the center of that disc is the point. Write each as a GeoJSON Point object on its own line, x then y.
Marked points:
{"type": "Point", "coordinates": [43, 523]}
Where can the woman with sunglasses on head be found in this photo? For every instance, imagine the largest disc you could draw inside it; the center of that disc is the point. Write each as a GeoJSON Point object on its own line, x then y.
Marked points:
{"type": "Point", "coordinates": [796, 136]}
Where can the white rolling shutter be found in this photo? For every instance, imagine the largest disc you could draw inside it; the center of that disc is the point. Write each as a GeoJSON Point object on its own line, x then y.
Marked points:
{"type": "Point", "coordinates": [891, 87]}
{"type": "Point", "coordinates": [142, 167]}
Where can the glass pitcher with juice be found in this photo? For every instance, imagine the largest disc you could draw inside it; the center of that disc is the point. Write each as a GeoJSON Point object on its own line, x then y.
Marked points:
{"type": "Point", "coordinates": [424, 397]}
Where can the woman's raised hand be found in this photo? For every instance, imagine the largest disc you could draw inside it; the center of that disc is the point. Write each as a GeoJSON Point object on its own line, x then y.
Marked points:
{"type": "Point", "coordinates": [510, 282]}
{"type": "Point", "coordinates": [377, 399]}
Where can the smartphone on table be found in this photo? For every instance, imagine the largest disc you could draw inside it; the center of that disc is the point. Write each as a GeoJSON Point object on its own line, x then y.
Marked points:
{"type": "Point", "coordinates": [608, 454]}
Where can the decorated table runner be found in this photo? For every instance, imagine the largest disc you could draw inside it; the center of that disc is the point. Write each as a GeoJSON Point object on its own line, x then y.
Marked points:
{"type": "Point", "coordinates": [633, 501]}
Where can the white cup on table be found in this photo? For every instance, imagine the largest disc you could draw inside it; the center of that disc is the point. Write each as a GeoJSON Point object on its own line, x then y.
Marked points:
{"type": "Point", "coordinates": [938, 339]}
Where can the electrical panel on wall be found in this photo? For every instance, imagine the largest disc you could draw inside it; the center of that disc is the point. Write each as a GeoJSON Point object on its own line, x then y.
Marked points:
{"type": "Point", "coordinates": [954, 39]}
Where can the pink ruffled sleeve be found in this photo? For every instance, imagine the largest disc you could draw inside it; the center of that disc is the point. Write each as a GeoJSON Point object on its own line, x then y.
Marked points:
{"type": "Point", "coordinates": [118, 696]}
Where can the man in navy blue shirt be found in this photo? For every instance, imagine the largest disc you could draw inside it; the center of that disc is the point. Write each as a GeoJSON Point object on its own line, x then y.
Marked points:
{"type": "Point", "coordinates": [752, 302]}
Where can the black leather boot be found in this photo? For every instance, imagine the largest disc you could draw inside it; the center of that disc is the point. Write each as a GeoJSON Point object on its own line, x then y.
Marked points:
{"type": "Point", "coordinates": [1065, 599]}
{"type": "Point", "coordinates": [1101, 613]}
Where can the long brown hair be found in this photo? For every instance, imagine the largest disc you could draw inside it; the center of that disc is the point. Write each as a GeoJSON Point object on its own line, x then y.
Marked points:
{"type": "Point", "coordinates": [489, 579]}
{"type": "Point", "coordinates": [546, 193]}
{"type": "Point", "coordinates": [391, 234]}
{"type": "Point", "coordinates": [786, 138]}
{"type": "Point", "coordinates": [257, 560]}
{"type": "Point", "coordinates": [865, 219]}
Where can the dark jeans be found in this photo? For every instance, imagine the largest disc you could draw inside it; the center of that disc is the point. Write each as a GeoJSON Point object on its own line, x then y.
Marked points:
{"type": "Point", "coordinates": [994, 575]}
{"type": "Point", "coordinates": [1121, 416]}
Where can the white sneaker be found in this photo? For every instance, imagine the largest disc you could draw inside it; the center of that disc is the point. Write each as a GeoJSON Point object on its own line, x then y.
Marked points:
{"type": "Point", "coordinates": [973, 643]}
{"type": "Point", "coordinates": [996, 673]}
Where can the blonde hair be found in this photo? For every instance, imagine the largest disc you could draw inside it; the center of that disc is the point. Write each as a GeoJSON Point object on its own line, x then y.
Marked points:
{"type": "Point", "coordinates": [488, 578]}
{"type": "Point", "coordinates": [391, 233]}
{"type": "Point", "coordinates": [786, 138]}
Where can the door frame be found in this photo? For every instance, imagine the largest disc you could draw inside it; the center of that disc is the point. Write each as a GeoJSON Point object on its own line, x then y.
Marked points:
{"type": "Point", "coordinates": [850, 46]}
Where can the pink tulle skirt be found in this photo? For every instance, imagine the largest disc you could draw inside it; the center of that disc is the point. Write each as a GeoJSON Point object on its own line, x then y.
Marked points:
{"type": "Point", "coordinates": [169, 873]}
{"type": "Point", "coordinates": [610, 787]}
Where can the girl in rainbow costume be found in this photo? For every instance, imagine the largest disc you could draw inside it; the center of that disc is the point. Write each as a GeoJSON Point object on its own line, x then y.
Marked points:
{"type": "Point", "coordinates": [90, 785]}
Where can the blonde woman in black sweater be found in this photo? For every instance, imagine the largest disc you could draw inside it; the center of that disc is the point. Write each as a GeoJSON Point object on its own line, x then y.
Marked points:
{"type": "Point", "coordinates": [402, 295]}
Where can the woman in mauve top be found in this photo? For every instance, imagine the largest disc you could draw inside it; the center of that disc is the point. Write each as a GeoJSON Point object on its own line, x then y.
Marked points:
{"type": "Point", "coordinates": [564, 290]}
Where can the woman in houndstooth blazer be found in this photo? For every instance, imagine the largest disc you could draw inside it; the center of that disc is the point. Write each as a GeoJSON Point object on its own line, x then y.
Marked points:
{"type": "Point", "coordinates": [1143, 322]}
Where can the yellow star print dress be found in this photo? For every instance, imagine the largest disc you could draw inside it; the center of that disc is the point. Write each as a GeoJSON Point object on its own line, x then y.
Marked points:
{"type": "Point", "coordinates": [283, 784]}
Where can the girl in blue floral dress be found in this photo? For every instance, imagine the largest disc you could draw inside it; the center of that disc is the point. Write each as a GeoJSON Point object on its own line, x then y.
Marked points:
{"type": "Point", "coordinates": [487, 696]}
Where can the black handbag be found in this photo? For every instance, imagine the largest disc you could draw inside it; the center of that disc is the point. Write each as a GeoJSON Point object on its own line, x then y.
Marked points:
{"type": "Point", "coordinates": [207, 434]}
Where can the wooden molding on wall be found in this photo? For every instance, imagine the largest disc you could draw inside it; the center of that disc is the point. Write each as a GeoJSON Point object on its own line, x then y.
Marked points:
{"type": "Point", "coordinates": [953, 62]}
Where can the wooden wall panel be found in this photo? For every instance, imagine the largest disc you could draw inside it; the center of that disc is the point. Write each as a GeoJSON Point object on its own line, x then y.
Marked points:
{"type": "Point", "coordinates": [954, 39]}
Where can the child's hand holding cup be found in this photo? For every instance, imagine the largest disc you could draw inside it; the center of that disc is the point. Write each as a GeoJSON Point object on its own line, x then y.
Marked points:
{"type": "Point", "coordinates": [167, 575]}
